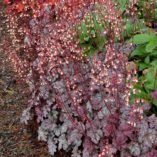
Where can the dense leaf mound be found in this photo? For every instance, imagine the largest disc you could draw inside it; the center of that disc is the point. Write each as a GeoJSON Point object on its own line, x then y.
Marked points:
{"type": "Point", "coordinates": [80, 82]}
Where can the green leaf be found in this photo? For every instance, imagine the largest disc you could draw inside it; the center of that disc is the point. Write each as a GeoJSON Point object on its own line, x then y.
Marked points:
{"type": "Point", "coordinates": [139, 51]}
{"type": "Point", "coordinates": [129, 27]}
{"type": "Point", "coordinates": [142, 95]}
{"type": "Point", "coordinates": [89, 52]}
{"type": "Point", "coordinates": [149, 86]}
{"type": "Point", "coordinates": [153, 54]}
{"type": "Point", "coordinates": [92, 32]}
{"type": "Point", "coordinates": [147, 60]}
{"type": "Point", "coordinates": [142, 66]}
{"type": "Point", "coordinates": [86, 38]}
{"type": "Point", "coordinates": [154, 63]}
{"type": "Point", "coordinates": [155, 102]}
{"type": "Point", "coordinates": [122, 4]}
{"type": "Point", "coordinates": [150, 74]}
{"type": "Point", "coordinates": [141, 38]}
{"type": "Point", "coordinates": [84, 28]}
{"type": "Point", "coordinates": [97, 26]}
{"type": "Point", "coordinates": [151, 82]}
{"type": "Point", "coordinates": [151, 45]}
{"type": "Point", "coordinates": [82, 36]}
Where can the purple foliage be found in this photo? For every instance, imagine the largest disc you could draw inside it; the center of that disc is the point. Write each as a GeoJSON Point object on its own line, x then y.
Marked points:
{"type": "Point", "coordinates": [82, 104]}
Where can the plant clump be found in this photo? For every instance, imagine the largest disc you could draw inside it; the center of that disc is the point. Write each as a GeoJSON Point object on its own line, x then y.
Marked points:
{"type": "Point", "coordinates": [80, 84]}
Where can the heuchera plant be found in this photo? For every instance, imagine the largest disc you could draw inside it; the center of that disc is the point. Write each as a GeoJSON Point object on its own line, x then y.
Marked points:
{"type": "Point", "coordinates": [81, 104]}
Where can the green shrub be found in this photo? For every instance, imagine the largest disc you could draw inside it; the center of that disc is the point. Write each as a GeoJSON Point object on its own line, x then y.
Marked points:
{"type": "Point", "coordinates": [145, 56]}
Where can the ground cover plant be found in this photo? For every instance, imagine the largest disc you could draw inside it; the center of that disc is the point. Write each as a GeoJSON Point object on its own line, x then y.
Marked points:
{"type": "Point", "coordinates": [87, 96]}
